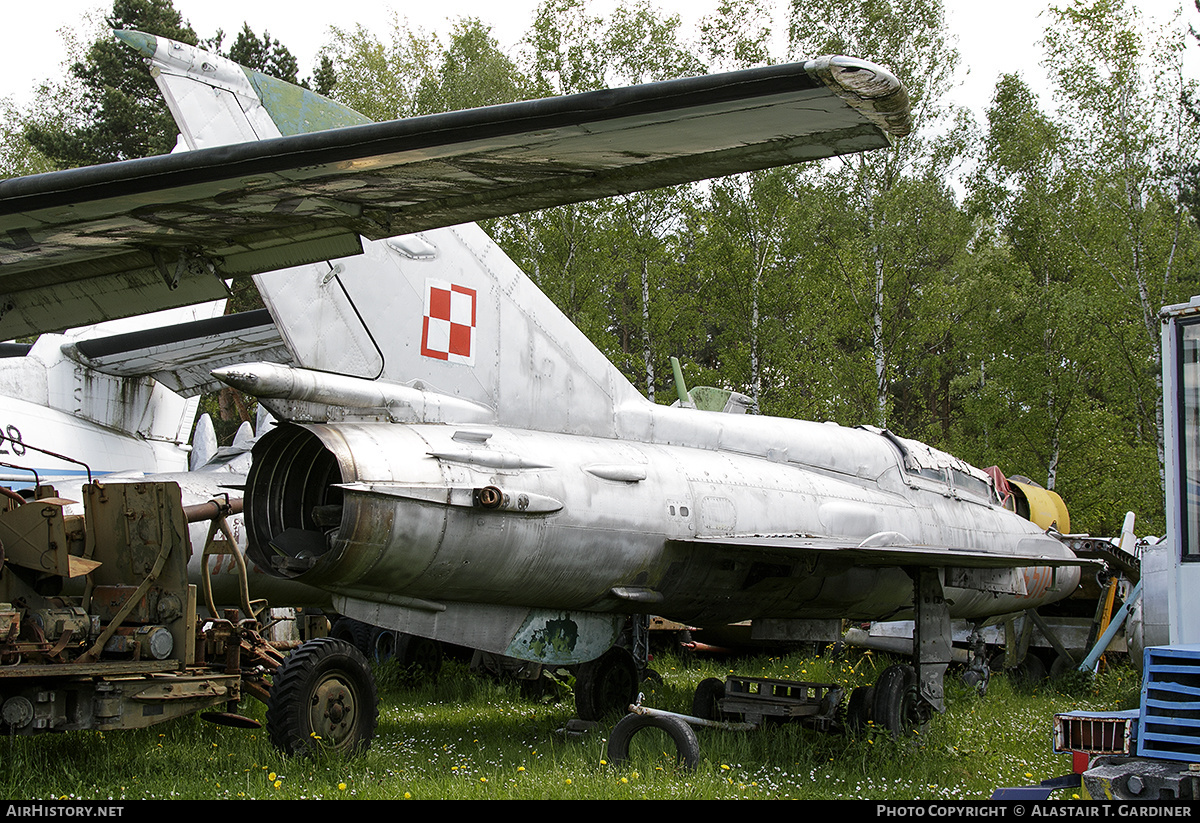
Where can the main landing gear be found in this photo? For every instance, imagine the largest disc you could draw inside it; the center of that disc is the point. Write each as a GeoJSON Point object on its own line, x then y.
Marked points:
{"type": "Point", "coordinates": [894, 703]}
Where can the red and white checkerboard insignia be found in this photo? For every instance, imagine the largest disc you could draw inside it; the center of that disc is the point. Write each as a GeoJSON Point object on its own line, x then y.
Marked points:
{"type": "Point", "coordinates": [448, 332]}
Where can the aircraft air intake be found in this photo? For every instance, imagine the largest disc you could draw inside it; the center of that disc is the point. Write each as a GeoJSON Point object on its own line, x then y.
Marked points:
{"type": "Point", "coordinates": [292, 501]}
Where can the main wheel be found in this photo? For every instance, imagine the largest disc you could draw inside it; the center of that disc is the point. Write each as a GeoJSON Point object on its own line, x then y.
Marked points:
{"type": "Point", "coordinates": [896, 704]}
{"type": "Point", "coordinates": [651, 745]}
{"type": "Point", "coordinates": [860, 708]}
{"type": "Point", "coordinates": [1027, 674]}
{"type": "Point", "coordinates": [706, 702]}
{"type": "Point", "coordinates": [607, 685]}
{"type": "Point", "coordinates": [419, 652]}
{"type": "Point", "coordinates": [322, 697]}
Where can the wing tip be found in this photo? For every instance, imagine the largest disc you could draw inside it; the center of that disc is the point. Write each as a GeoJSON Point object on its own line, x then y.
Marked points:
{"type": "Point", "coordinates": [871, 89]}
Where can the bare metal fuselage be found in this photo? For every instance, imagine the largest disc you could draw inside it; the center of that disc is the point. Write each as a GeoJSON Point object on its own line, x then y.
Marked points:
{"type": "Point", "coordinates": [611, 525]}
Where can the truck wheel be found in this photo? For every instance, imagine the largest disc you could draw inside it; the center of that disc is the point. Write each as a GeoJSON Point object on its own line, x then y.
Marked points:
{"type": "Point", "coordinates": [322, 698]}
{"type": "Point", "coordinates": [356, 633]}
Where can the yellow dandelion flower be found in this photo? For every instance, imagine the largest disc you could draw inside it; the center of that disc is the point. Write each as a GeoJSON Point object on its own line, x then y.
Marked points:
{"type": "Point", "coordinates": [341, 787]}
{"type": "Point", "coordinates": [271, 776]}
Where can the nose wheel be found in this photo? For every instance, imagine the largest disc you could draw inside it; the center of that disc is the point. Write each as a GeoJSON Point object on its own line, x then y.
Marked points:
{"type": "Point", "coordinates": [607, 685]}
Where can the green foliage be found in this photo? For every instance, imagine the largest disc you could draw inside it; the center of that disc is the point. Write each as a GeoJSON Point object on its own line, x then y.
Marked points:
{"type": "Point", "coordinates": [119, 113]}
{"type": "Point", "coordinates": [18, 156]}
{"type": "Point", "coordinates": [265, 55]}
{"type": "Point", "coordinates": [472, 72]}
{"type": "Point", "coordinates": [1084, 207]}
{"type": "Point", "coordinates": [415, 74]}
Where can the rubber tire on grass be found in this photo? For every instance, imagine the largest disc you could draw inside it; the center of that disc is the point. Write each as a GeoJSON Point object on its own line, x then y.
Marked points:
{"type": "Point", "coordinates": [706, 700]}
{"type": "Point", "coordinates": [860, 708]}
{"type": "Point", "coordinates": [420, 653]}
{"type": "Point", "coordinates": [896, 702]}
{"type": "Point", "coordinates": [687, 747]}
{"type": "Point", "coordinates": [322, 698]}
{"type": "Point", "coordinates": [356, 633]}
{"type": "Point", "coordinates": [383, 645]}
{"type": "Point", "coordinates": [1027, 674]}
{"type": "Point", "coordinates": [607, 685]}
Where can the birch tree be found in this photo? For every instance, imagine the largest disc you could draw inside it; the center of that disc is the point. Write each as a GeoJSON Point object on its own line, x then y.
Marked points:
{"type": "Point", "coordinates": [1122, 92]}
{"type": "Point", "coordinates": [909, 38]}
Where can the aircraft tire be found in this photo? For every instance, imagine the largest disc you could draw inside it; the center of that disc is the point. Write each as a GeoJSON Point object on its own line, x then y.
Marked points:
{"type": "Point", "coordinates": [607, 685]}
{"type": "Point", "coordinates": [420, 653]}
{"type": "Point", "coordinates": [859, 708]}
{"type": "Point", "coordinates": [896, 702]}
{"type": "Point", "coordinates": [383, 645]}
{"type": "Point", "coordinates": [322, 698]}
{"type": "Point", "coordinates": [1029, 673]}
{"type": "Point", "coordinates": [687, 747]}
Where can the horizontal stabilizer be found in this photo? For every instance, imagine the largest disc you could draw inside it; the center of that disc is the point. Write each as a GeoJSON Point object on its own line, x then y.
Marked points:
{"type": "Point", "coordinates": [87, 244]}
{"type": "Point", "coordinates": [183, 356]}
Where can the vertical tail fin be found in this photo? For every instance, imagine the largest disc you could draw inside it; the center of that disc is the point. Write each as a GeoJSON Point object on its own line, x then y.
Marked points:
{"type": "Point", "coordinates": [444, 311]}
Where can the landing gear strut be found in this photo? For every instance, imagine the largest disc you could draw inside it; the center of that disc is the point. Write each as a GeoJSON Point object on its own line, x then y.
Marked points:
{"type": "Point", "coordinates": [904, 697]}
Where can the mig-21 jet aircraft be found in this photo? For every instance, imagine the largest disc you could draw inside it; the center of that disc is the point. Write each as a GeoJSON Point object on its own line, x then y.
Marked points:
{"type": "Point", "coordinates": [454, 458]}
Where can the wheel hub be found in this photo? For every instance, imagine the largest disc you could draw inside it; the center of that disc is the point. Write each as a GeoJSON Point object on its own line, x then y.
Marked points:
{"type": "Point", "coordinates": [333, 709]}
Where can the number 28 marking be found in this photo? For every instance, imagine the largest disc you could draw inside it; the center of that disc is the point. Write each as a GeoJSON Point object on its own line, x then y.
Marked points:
{"type": "Point", "coordinates": [12, 435]}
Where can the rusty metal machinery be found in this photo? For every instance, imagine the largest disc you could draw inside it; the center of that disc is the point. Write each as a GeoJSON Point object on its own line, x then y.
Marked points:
{"type": "Point", "coordinates": [99, 628]}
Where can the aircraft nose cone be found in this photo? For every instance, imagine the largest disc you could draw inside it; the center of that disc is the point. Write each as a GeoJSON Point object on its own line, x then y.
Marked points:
{"type": "Point", "coordinates": [144, 44]}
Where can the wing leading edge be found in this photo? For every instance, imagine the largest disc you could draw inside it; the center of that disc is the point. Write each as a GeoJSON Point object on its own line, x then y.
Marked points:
{"type": "Point", "coordinates": [88, 244]}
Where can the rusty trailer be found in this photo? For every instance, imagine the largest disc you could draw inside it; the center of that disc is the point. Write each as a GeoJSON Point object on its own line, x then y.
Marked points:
{"type": "Point", "coordinates": [735, 704]}
{"type": "Point", "coordinates": [100, 628]}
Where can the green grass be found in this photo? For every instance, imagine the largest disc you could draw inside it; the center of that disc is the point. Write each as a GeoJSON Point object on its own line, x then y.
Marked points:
{"type": "Point", "coordinates": [470, 737]}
